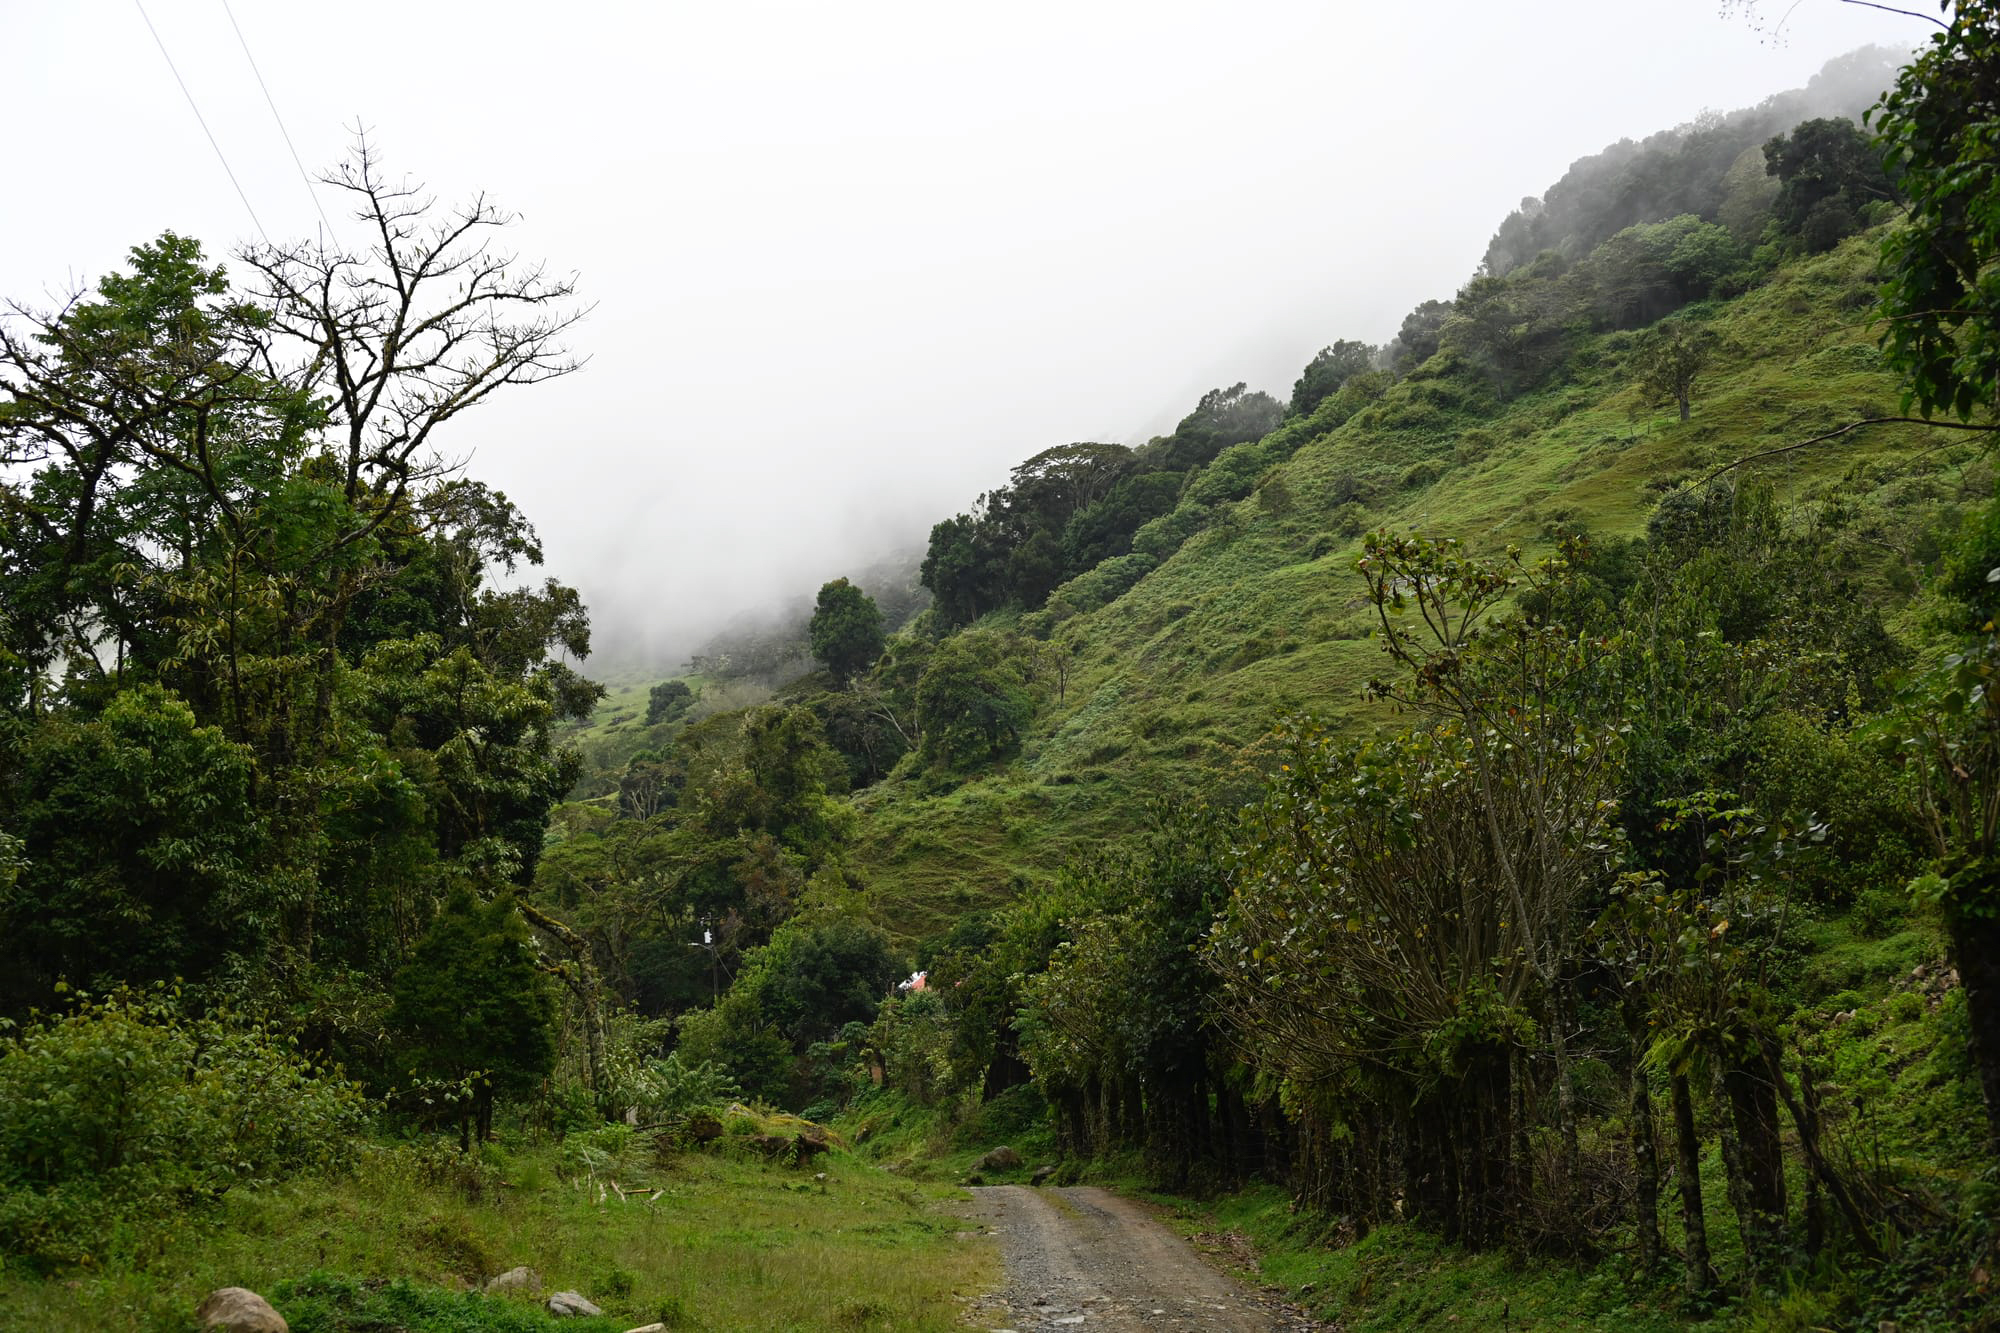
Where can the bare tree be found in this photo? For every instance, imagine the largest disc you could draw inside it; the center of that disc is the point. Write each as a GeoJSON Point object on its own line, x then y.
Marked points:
{"type": "Point", "coordinates": [426, 322]}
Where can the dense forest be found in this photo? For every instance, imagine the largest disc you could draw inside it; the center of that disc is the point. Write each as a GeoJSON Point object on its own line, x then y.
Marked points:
{"type": "Point", "coordinates": [1533, 786]}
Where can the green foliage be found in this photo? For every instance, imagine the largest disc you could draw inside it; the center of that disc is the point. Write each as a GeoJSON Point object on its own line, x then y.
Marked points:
{"type": "Point", "coordinates": [1670, 357]}
{"type": "Point", "coordinates": [815, 977]}
{"type": "Point", "coordinates": [1683, 170]}
{"type": "Point", "coordinates": [1223, 417]}
{"type": "Point", "coordinates": [912, 1036]}
{"type": "Point", "coordinates": [1651, 269]}
{"type": "Point", "coordinates": [1011, 551]}
{"type": "Point", "coordinates": [667, 701]}
{"type": "Point", "coordinates": [138, 861]}
{"type": "Point", "coordinates": [783, 1031]}
{"type": "Point", "coordinates": [1124, 1002]}
{"type": "Point", "coordinates": [1330, 368]}
{"type": "Point", "coordinates": [126, 1107]}
{"type": "Point", "coordinates": [1940, 301]}
{"type": "Point", "coordinates": [1417, 340]}
{"type": "Point", "coordinates": [1828, 173]}
{"type": "Point", "coordinates": [262, 701]}
{"type": "Point", "coordinates": [972, 701]}
{"type": "Point", "coordinates": [737, 1038]}
{"type": "Point", "coordinates": [846, 629]}
{"type": "Point", "coordinates": [1104, 531]}
{"type": "Point", "coordinates": [322, 1302]}
{"type": "Point", "coordinates": [474, 1011]}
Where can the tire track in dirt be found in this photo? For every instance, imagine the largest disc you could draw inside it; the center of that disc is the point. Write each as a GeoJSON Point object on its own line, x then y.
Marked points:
{"type": "Point", "coordinates": [1083, 1258]}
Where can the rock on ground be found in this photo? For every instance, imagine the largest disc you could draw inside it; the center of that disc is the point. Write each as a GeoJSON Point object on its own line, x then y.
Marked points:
{"type": "Point", "coordinates": [238, 1310]}
{"type": "Point", "coordinates": [1000, 1159]}
{"type": "Point", "coordinates": [523, 1279]}
{"type": "Point", "coordinates": [566, 1303]}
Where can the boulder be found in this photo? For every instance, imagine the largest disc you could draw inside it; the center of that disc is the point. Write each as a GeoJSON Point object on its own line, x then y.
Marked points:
{"type": "Point", "coordinates": [523, 1279]}
{"type": "Point", "coordinates": [648, 1328]}
{"type": "Point", "coordinates": [1042, 1173]}
{"type": "Point", "coordinates": [567, 1303]}
{"type": "Point", "coordinates": [238, 1310]}
{"type": "Point", "coordinates": [1002, 1158]}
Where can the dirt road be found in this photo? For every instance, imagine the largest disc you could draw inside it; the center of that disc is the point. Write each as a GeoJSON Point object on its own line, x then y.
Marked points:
{"type": "Point", "coordinates": [1081, 1258]}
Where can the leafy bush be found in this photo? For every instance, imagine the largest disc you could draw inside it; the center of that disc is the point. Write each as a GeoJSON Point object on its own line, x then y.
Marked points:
{"type": "Point", "coordinates": [126, 1106]}
{"type": "Point", "coordinates": [737, 1037]}
{"type": "Point", "coordinates": [1108, 582]}
{"type": "Point", "coordinates": [1164, 535]}
{"type": "Point", "coordinates": [668, 1089]}
{"type": "Point", "coordinates": [601, 1151]}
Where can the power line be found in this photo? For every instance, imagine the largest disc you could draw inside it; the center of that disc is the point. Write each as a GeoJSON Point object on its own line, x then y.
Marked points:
{"type": "Point", "coordinates": [203, 122]}
{"type": "Point", "coordinates": [303, 174]}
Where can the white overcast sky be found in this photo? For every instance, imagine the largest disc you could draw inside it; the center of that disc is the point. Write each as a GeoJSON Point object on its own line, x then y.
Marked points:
{"type": "Point", "coordinates": [852, 261]}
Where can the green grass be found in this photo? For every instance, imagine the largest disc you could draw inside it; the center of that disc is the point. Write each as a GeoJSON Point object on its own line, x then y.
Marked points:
{"type": "Point", "coordinates": [943, 1143]}
{"type": "Point", "coordinates": [1260, 612]}
{"type": "Point", "coordinates": [1398, 1277]}
{"type": "Point", "coordinates": [728, 1245]}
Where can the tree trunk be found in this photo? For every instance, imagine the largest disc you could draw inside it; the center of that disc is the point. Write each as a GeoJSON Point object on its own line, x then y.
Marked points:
{"type": "Point", "coordinates": [1646, 1168]}
{"type": "Point", "coordinates": [1808, 1126]}
{"type": "Point", "coordinates": [1753, 1105]}
{"type": "Point", "coordinates": [1975, 946]}
{"type": "Point", "coordinates": [1700, 1272]}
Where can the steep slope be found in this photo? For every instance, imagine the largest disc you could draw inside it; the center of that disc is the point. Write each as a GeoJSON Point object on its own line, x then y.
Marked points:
{"type": "Point", "coordinates": [1258, 612]}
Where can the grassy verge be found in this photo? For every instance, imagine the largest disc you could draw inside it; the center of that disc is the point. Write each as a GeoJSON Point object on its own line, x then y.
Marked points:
{"type": "Point", "coordinates": [398, 1244]}
{"type": "Point", "coordinates": [1398, 1277]}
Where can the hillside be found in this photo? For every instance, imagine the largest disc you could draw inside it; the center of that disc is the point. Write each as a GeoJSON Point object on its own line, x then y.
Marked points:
{"type": "Point", "coordinates": [1510, 793]}
{"type": "Point", "coordinates": [1260, 612]}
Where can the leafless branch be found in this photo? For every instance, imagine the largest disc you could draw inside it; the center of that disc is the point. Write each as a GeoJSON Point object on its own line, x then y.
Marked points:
{"type": "Point", "coordinates": [1836, 434]}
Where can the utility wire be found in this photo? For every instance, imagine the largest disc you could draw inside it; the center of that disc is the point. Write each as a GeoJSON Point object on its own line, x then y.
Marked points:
{"type": "Point", "coordinates": [204, 123]}
{"type": "Point", "coordinates": [303, 174]}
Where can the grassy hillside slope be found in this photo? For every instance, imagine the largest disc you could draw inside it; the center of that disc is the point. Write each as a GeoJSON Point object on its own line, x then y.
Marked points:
{"type": "Point", "coordinates": [1260, 612]}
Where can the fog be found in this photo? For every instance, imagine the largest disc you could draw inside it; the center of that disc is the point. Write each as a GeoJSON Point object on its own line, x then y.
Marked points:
{"type": "Point", "coordinates": [850, 262]}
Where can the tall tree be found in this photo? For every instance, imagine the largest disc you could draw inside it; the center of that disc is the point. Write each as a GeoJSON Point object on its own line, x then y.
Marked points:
{"type": "Point", "coordinates": [1670, 357]}
{"type": "Point", "coordinates": [474, 1009]}
{"type": "Point", "coordinates": [1330, 368]}
{"type": "Point", "coordinates": [225, 503]}
{"type": "Point", "coordinates": [846, 629]}
{"type": "Point", "coordinates": [1828, 173]}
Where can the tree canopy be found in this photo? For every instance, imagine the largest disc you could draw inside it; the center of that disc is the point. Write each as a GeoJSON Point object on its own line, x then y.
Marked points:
{"type": "Point", "coordinates": [846, 629]}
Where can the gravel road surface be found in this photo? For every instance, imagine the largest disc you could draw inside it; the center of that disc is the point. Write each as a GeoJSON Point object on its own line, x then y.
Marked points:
{"type": "Point", "coordinates": [1086, 1259]}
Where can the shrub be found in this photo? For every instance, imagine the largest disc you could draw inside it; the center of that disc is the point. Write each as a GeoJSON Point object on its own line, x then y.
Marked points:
{"type": "Point", "coordinates": [1350, 520]}
{"type": "Point", "coordinates": [667, 1090]}
{"type": "Point", "coordinates": [1422, 474]}
{"type": "Point", "coordinates": [124, 1106]}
